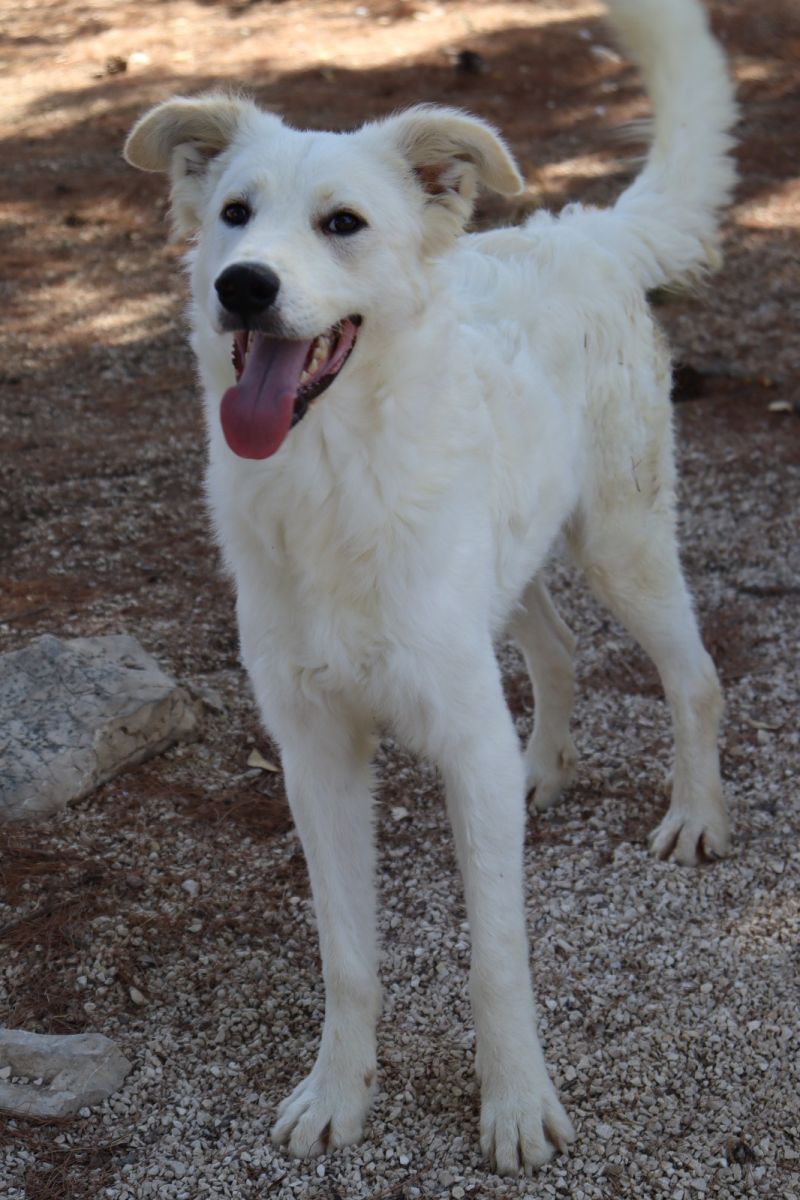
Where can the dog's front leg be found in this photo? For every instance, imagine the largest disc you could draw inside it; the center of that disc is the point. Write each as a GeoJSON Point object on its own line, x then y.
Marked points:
{"type": "Point", "coordinates": [522, 1120]}
{"type": "Point", "coordinates": [326, 768]}
{"type": "Point", "coordinates": [467, 728]}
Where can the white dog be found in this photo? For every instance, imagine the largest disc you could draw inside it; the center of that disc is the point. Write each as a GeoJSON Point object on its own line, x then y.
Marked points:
{"type": "Point", "coordinates": [482, 395]}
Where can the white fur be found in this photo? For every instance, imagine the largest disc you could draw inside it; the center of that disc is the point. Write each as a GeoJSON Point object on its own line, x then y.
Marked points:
{"type": "Point", "coordinates": [505, 388]}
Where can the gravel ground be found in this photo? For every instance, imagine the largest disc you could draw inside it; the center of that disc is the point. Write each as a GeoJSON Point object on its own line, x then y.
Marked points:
{"type": "Point", "coordinates": [170, 910]}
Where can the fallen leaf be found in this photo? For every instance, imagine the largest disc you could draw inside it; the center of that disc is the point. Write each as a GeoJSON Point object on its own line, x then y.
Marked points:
{"type": "Point", "coordinates": [772, 726]}
{"type": "Point", "coordinates": [256, 759]}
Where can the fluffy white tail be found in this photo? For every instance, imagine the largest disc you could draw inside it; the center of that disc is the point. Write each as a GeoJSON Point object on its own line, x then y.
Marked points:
{"type": "Point", "coordinates": [665, 223]}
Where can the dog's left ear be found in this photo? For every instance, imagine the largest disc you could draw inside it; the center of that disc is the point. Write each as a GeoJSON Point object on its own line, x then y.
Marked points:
{"type": "Point", "coordinates": [452, 154]}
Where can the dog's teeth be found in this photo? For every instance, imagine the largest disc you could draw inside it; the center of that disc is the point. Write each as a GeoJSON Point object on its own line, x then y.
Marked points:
{"type": "Point", "coordinates": [321, 353]}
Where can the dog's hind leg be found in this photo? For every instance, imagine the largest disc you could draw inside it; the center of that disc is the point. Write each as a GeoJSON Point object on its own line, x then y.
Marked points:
{"type": "Point", "coordinates": [630, 556]}
{"type": "Point", "coordinates": [326, 768]}
{"type": "Point", "coordinates": [548, 646]}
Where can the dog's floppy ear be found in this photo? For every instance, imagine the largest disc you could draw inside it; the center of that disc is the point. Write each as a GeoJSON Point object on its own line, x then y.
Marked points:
{"type": "Point", "coordinates": [451, 154]}
{"type": "Point", "coordinates": [181, 137]}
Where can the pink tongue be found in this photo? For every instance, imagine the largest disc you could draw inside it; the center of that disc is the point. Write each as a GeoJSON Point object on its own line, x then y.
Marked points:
{"type": "Point", "coordinates": [256, 413]}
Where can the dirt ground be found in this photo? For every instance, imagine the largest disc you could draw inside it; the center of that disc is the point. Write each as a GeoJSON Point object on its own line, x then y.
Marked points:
{"type": "Point", "coordinates": [102, 526]}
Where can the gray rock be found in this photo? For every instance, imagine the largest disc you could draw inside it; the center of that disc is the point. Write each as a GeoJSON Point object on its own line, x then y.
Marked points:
{"type": "Point", "coordinates": [74, 714]}
{"type": "Point", "coordinates": [77, 1070]}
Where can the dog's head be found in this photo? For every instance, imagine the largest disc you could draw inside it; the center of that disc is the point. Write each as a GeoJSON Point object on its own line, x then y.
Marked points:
{"type": "Point", "coordinates": [305, 238]}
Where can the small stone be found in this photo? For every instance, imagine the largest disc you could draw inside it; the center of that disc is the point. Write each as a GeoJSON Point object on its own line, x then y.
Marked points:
{"type": "Point", "coordinates": [136, 996]}
{"type": "Point", "coordinates": [76, 713]}
{"type": "Point", "coordinates": [76, 1070]}
{"type": "Point", "coordinates": [191, 886]}
{"type": "Point", "coordinates": [469, 62]}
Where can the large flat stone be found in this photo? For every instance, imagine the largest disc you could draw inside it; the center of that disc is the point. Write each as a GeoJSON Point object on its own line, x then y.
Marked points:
{"type": "Point", "coordinates": [77, 1070]}
{"type": "Point", "coordinates": [75, 713]}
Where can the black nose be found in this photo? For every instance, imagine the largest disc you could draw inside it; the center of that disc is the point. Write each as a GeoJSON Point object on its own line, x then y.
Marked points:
{"type": "Point", "coordinates": [247, 289]}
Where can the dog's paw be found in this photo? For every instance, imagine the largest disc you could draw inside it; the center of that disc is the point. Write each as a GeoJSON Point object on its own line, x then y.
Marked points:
{"type": "Point", "coordinates": [548, 773]}
{"type": "Point", "coordinates": [323, 1112]}
{"type": "Point", "coordinates": [692, 838]}
{"type": "Point", "coordinates": [521, 1129]}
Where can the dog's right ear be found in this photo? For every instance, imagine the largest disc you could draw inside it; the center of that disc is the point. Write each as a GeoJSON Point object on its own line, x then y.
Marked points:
{"type": "Point", "coordinates": [181, 137]}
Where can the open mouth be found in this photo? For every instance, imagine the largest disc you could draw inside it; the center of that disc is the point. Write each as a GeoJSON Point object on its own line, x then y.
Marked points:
{"type": "Point", "coordinates": [276, 382]}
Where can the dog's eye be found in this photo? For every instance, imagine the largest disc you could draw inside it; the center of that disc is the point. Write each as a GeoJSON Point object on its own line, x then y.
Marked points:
{"type": "Point", "coordinates": [235, 213]}
{"type": "Point", "coordinates": [343, 223]}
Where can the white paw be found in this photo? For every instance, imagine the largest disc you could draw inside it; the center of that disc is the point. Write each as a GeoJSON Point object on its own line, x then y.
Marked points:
{"type": "Point", "coordinates": [548, 772]}
{"type": "Point", "coordinates": [522, 1127]}
{"type": "Point", "coordinates": [325, 1111]}
{"type": "Point", "coordinates": [692, 838]}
